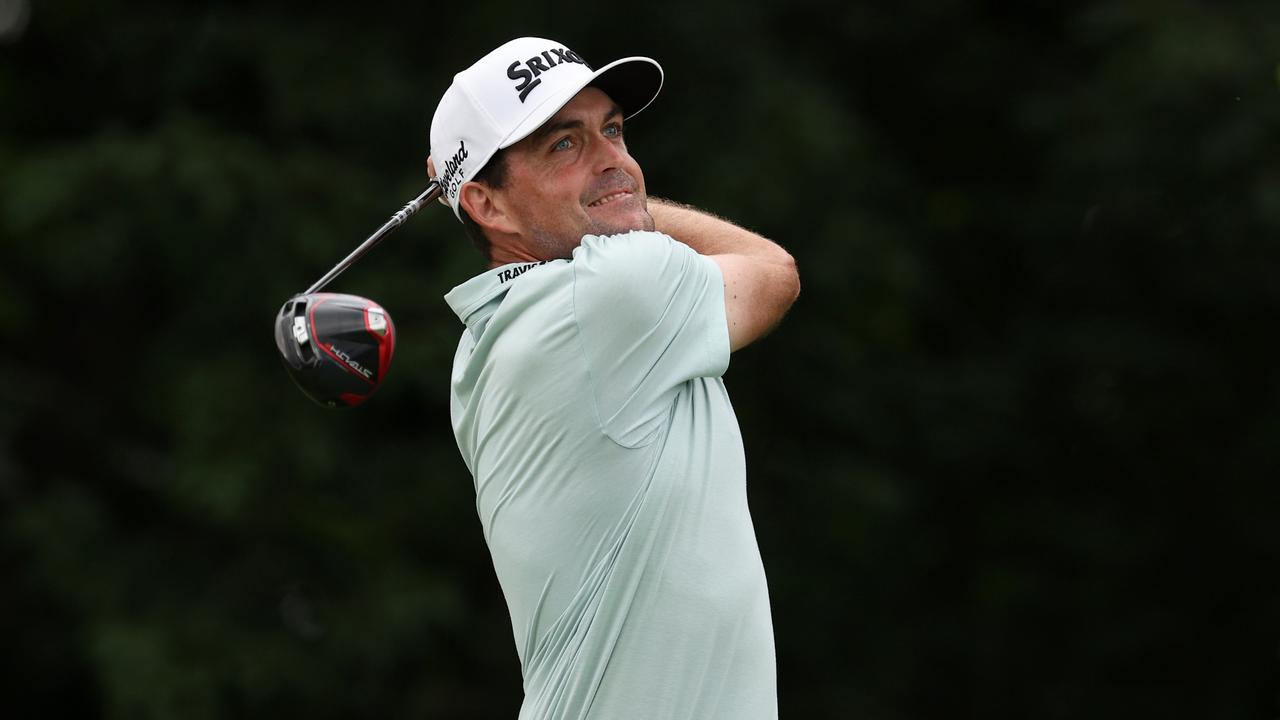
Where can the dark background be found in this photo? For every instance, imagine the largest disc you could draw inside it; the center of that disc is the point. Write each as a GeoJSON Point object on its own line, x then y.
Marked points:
{"type": "Point", "coordinates": [1013, 454]}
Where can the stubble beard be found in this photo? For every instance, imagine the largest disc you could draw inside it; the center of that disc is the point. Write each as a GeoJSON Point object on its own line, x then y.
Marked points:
{"type": "Point", "coordinates": [560, 245]}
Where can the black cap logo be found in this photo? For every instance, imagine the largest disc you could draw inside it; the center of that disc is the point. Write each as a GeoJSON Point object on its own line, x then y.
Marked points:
{"type": "Point", "coordinates": [527, 71]}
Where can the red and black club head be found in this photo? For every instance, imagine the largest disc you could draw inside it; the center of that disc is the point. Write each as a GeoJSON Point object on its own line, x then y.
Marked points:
{"type": "Point", "coordinates": [337, 348]}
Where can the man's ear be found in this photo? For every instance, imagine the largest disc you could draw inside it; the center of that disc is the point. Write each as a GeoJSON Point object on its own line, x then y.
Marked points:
{"type": "Point", "coordinates": [486, 207]}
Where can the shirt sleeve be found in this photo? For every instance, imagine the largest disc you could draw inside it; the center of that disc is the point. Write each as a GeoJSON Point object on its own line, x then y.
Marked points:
{"type": "Point", "coordinates": [650, 312]}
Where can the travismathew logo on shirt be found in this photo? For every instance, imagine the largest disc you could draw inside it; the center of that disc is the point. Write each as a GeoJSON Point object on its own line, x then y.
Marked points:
{"type": "Point", "coordinates": [510, 274]}
{"type": "Point", "coordinates": [527, 72]}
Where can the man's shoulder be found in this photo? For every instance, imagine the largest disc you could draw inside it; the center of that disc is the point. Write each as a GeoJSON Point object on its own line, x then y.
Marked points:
{"type": "Point", "coordinates": [635, 279]}
{"type": "Point", "coordinates": [620, 268]}
{"type": "Point", "coordinates": [632, 246]}
{"type": "Point", "coordinates": [639, 259]}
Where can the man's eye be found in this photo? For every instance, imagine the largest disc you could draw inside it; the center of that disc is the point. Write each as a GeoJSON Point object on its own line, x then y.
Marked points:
{"type": "Point", "coordinates": [562, 144]}
{"type": "Point", "coordinates": [613, 130]}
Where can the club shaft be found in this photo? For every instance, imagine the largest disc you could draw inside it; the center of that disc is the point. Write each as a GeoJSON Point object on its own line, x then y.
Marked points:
{"type": "Point", "coordinates": [431, 193]}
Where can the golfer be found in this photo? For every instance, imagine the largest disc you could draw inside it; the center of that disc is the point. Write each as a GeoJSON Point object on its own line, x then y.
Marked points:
{"type": "Point", "coordinates": [587, 398]}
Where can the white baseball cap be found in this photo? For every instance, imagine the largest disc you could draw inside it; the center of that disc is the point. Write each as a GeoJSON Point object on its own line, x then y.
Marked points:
{"type": "Point", "coordinates": [512, 91]}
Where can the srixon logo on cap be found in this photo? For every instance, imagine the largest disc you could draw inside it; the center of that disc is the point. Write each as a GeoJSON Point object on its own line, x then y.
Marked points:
{"type": "Point", "coordinates": [527, 71]}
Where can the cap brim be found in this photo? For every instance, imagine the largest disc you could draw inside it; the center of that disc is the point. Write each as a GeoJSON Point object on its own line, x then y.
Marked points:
{"type": "Point", "coordinates": [631, 82]}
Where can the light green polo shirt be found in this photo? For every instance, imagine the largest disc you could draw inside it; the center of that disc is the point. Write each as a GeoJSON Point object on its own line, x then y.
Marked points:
{"type": "Point", "coordinates": [611, 485]}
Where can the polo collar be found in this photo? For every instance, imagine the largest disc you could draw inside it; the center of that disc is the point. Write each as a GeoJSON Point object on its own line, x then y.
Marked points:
{"type": "Point", "coordinates": [472, 301]}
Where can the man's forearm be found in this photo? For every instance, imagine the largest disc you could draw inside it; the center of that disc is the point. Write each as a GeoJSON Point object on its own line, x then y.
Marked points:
{"type": "Point", "coordinates": [711, 235]}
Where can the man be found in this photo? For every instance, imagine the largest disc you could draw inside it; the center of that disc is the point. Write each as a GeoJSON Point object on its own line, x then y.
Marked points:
{"type": "Point", "coordinates": [587, 400]}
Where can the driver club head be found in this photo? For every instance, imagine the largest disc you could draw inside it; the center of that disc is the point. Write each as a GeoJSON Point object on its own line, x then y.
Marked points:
{"type": "Point", "coordinates": [337, 348]}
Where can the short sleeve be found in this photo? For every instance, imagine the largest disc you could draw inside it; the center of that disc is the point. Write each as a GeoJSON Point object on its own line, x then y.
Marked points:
{"type": "Point", "coordinates": [650, 313]}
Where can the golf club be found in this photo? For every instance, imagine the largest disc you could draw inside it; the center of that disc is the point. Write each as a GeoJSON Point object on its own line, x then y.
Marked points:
{"type": "Point", "coordinates": [431, 193]}
{"type": "Point", "coordinates": [337, 348]}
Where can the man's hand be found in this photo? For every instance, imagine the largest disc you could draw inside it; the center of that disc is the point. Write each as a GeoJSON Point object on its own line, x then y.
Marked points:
{"type": "Point", "coordinates": [431, 173]}
{"type": "Point", "coordinates": [760, 278]}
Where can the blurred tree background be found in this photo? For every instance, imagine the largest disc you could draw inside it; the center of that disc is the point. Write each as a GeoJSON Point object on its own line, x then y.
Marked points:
{"type": "Point", "coordinates": [1014, 453]}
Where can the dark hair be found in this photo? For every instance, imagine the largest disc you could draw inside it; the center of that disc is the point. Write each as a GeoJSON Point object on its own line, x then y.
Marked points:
{"type": "Point", "coordinates": [493, 174]}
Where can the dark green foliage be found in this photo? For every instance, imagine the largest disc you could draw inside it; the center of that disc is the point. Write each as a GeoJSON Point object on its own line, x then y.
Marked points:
{"type": "Point", "coordinates": [1014, 453]}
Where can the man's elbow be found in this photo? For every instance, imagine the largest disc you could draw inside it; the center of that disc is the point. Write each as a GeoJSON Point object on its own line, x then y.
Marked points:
{"type": "Point", "coordinates": [790, 277]}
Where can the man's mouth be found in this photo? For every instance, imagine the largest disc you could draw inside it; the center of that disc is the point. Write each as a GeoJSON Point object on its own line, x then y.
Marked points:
{"type": "Point", "coordinates": [610, 198]}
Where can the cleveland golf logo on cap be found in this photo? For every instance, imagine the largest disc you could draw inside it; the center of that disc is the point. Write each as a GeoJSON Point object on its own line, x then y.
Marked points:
{"type": "Point", "coordinates": [527, 71]}
{"type": "Point", "coordinates": [451, 174]}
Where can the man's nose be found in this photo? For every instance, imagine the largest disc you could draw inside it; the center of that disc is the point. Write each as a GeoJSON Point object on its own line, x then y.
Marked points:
{"type": "Point", "coordinates": [608, 154]}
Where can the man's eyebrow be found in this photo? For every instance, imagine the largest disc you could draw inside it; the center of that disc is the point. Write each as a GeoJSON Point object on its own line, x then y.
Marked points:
{"type": "Point", "coordinates": [551, 128]}
{"type": "Point", "coordinates": [538, 135]}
